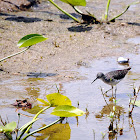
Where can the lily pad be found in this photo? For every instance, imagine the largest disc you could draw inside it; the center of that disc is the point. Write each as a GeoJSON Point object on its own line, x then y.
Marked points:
{"type": "Point", "coordinates": [67, 111]}
{"type": "Point", "coordinates": [57, 99]}
{"type": "Point", "coordinates": [43, 101]}
{"type": "Point", "coordinates": [30, 40]}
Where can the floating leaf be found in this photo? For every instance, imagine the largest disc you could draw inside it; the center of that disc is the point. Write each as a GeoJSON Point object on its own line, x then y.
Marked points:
{"type": "Point", "coordinates": [57, 99]}
{"type": "Point", "coordinates": [34, 110]}
{"type": "Point", "coordinates": [43, 101]}
{"type": "Point", "coordinates": [67, 111]}
{"type": "Point", "coordinates": [9, 127]}
{"type": "Point", "coordinates": [75, 2]}
{"type": "Point", "coordinates": [30, 40]}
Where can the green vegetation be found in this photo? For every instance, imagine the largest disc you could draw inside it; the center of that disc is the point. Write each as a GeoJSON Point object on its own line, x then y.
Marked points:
{"type": "Point", "coordinates": [63, 108]}
{"type": "Point", "coordinates": [114, 112]}
{"type": "Point", "coordinates": [89, 18]}
{"type": "Point", "coordinates": [8, 129]}
{"type": "Point", "coordinates": [132, 101]}
{"type": "Point", "coordinates": [27, 41]}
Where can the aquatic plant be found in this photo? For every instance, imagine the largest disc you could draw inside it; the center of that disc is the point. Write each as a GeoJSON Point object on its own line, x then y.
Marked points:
{"type": "Point", "coordinates": [63, 108]}
{"type": "Point", "coordinates": [132, 101]}
{"type": "Point", "coordinates": [8, 128]}
{"type": "Point", "coordinates": [26, 42]}
{"type": "Point", "coordinates": [113, 19]}
{"type": "Point", "coordinates": [115, 113]}
{"type": "Point", "coordinates": [72, 3]}
{"type": "Point", "coordinates": [89, 18]}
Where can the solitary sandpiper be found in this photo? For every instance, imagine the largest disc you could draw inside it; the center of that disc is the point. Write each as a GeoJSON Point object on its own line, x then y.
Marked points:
{"type": "Point", "coordinates": [112, 78]}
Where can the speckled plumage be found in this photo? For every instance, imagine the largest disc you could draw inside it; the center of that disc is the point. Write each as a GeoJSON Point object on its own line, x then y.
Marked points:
{"type": "Point", "coordinates": [113, 77]}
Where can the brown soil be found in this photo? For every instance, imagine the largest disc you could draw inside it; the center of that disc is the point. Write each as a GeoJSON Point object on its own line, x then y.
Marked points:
{"type": "Point", "coordinates": [16, 5]}
{"type": "Point", "coordinates": [69, 44]}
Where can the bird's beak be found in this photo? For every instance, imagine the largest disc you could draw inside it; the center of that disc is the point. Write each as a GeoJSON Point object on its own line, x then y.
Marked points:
{"type": "Point", "coordinates": [94, 80]}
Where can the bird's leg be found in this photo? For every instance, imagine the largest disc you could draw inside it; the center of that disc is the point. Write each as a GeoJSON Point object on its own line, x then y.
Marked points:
{"type": "Point", "coordinates": [112, 90]}
{"type": "Point", "coordinates": [115, 91]}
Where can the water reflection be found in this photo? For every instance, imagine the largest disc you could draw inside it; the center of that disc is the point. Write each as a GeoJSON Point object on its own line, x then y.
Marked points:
{"type": "Point", "coordinates": [34, 110]}
{"type": "Point", "coordinates": [33, 91]}
{"type": "Point", "coordinates": [86, 95]}
{"type": "Point", "coordinates": [109, 108]}
{"type": "Point", "coordinates": [131, 125]}
{"type": "Point", "coordinates": [56, 132]}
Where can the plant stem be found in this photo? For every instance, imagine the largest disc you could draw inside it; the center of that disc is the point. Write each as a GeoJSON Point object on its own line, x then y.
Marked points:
{"type": "Point", "coordinates": [41, 128]}
{"type": "Point", "coordinates": [81, 13]}
{"type": "Point", "coordinates": [41, 112]}
{"type": "Point", "coordinates": [25, 127]}
{"type": "Point", "coordinates": [77, 10]}
{"type": "Point", "coordinates": [107, 9]}
{"type": "Point", "coordinates": [137, 2]}
{"type": "Point", "coordinates": [37, 116]}
{"type": "Point", "coordinates": [120, 14]}
{"type": "Point", "coordinates": [130, 112]}
{"type": "Point", "coordinates": [14, 54]}
{"type": "Point", "coordinates": [64, 11]}
{"type": "Point", "coordinates": [105, 99]}
{"type": "Point", "coordinates": [8, 136]}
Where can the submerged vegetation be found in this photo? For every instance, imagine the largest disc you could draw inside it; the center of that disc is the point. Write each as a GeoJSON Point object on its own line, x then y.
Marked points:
{"type": "Point", "coordinates": [116, 113]}
{"type": "Point", "coordinates": [62, 108]}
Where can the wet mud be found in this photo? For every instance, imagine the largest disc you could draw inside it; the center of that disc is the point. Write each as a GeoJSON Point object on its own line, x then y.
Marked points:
{"type": "Point", "coordinates": [71, 57]}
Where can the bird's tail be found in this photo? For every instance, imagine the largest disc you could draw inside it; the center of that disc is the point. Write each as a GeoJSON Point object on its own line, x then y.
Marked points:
{"type": "Point", "coordinates": [129, 68]}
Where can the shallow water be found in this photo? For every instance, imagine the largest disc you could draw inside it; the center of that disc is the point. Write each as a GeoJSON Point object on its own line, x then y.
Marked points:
{"type": "Point", "coordinates": [88, 95]}
{"type": "Point", "coordinates": [135, 40]}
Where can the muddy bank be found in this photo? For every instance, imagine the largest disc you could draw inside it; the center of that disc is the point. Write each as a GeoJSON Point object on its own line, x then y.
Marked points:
{"type": "Point", "coordinates": [72, 52]}
{"type": "Point", "coordinates": [16, 5]}
{"type": "Point", "coordinates": [69, 44]}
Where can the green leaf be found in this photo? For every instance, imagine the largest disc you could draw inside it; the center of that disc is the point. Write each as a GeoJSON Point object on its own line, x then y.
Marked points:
{"type": "Point", "coordinates": [1, 128]}
{"type": "Point", "coordinates": [9, 127]}
{"type": "Point", "coordinates": [75, 2]}
{"type": "Point", "coordinates": [67, 111]}
{"type": "Point", "coordinates": [30, 40]}
{"type": "Point", "coordinates": [137, 103]}
{"type": "Point", "coordinates": [43, 101]}
{"type": "Point", "coordinates": [57, 99]}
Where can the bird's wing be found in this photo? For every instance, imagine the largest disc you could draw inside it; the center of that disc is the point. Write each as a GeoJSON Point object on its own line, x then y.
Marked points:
{"type": "Point", "coordinates": [119, 74]}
